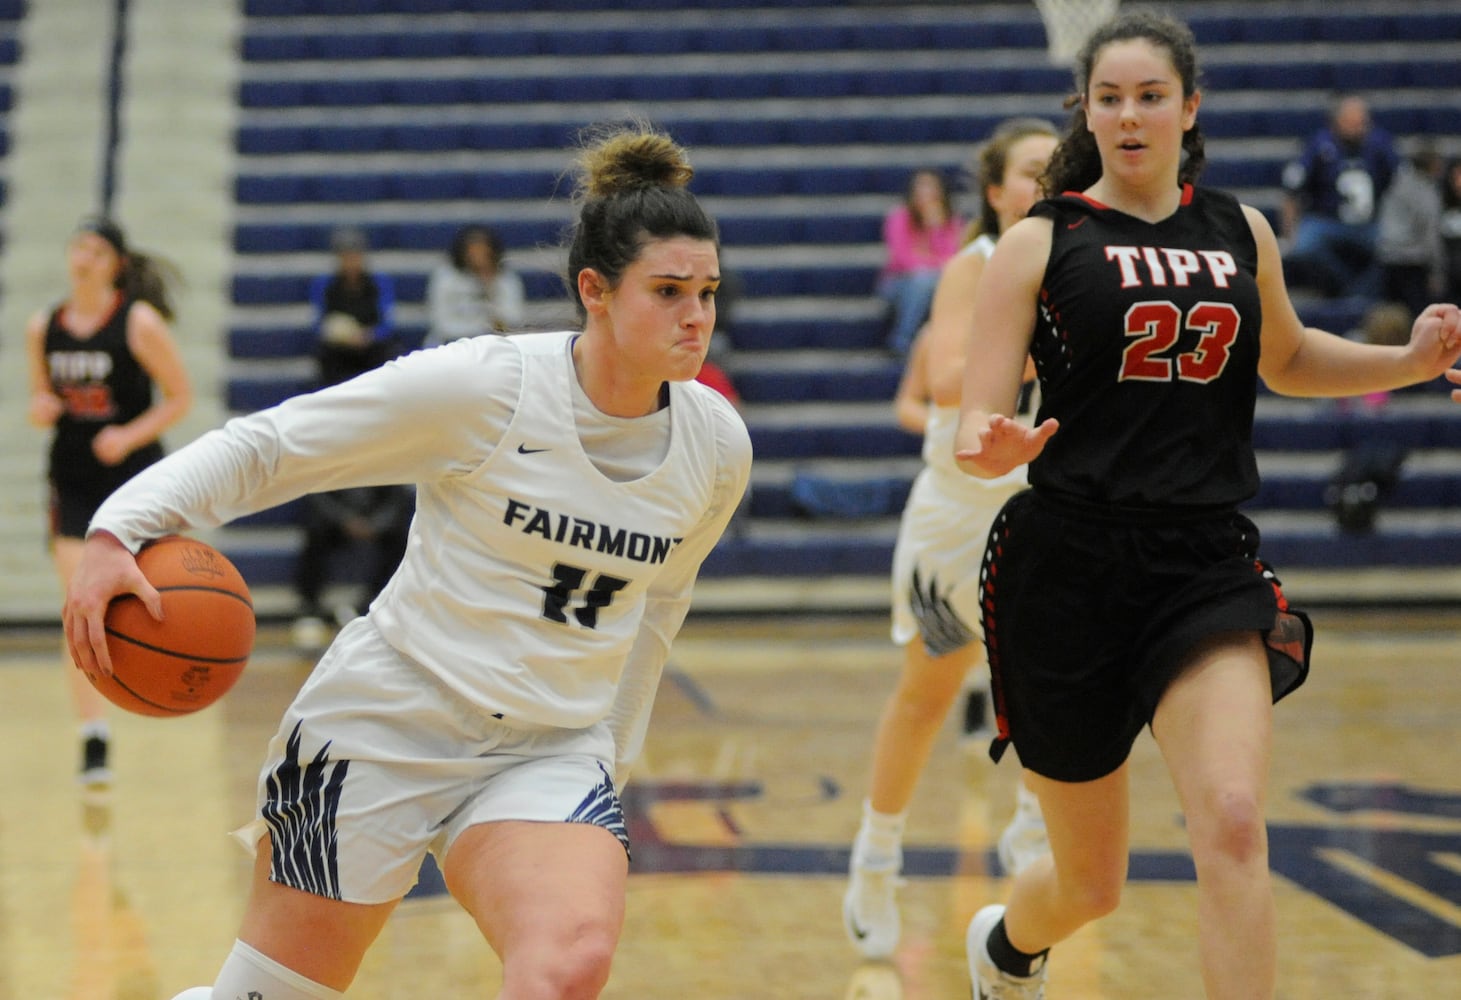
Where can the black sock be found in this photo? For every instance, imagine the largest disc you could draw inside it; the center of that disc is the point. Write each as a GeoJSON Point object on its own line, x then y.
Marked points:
{"type": "Point", "coordinates": [1008, 958]}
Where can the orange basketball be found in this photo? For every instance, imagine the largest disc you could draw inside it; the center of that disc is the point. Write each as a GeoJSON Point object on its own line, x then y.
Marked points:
{"type": "Point", "coordinates": [194, 655]}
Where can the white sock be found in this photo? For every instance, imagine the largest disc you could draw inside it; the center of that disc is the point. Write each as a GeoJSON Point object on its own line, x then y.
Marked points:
{"type": "Point", "coordinates": [247, 970]}
{"type": "Point", "coordinates": [880, 838]}
{"type": "Point", "coordinates": [196, 993]}
{"type": "Point", "coordinates": [96, 727]}
{"type": "Point", "coordinates": [1027, 805]}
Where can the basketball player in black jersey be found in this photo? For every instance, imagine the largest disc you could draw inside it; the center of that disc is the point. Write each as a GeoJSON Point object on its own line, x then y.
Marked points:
{"type": "Point", "coordinates": [94, 361]}
{"type": "Point", "coordinates": [1123, 590]}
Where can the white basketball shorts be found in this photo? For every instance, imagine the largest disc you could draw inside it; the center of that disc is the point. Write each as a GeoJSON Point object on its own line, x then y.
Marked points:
{"type": "Point", "coordinates": [937, 556]}
{"type": "Point", "coordinates": [377, 761]}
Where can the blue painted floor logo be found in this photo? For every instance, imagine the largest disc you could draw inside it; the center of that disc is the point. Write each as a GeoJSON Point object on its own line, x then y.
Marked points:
{"type": "Point", "coordinates": [1394, 864]}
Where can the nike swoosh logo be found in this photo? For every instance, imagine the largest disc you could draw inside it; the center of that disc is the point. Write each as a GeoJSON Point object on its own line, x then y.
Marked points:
{"type": "Point", "coordinates": [523, 449]}
{"type": "Point", "coordinates": [857, 931]}
{"type": "Point", "coordinates": [1077, 224]}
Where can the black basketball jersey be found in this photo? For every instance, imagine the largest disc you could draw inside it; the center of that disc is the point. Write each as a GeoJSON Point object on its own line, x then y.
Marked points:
{"type": "Point", "coordinates": [1146, 344]}
{"type": "Point", "coordinates": [101, 383]}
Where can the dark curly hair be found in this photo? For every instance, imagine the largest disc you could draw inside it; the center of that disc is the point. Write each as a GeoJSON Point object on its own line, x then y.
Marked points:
{"type": "Point", "coordinates": [1076, 162]}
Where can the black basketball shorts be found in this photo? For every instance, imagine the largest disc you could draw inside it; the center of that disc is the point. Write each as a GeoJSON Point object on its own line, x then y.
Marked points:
{"type": "Point", "coordinates": [1089, 616]}
{"type": "Point", "coordinates": [73, 504]}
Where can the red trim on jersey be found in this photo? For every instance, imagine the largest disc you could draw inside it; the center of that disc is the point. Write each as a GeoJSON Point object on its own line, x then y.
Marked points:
{"type": "Point", "coordinates": [1186, 197]}
{"type": "Point", "coordinates": [61, 316]}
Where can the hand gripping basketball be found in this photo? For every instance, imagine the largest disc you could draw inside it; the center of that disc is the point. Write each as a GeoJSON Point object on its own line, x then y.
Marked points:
{"type": "Point", "coordinates": [193, 656]}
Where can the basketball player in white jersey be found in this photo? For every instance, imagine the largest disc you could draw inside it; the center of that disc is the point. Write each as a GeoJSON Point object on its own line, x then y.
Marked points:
{"type": "Point", "coordinates": [569, 486]}
{"type": "Point", "coordinates": [936, 561]}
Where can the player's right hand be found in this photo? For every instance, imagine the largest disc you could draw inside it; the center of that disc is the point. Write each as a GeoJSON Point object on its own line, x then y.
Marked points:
{"type": "Point", "coordinates": [1003, 445]}
{"type": "Point", "coordinates": [106, 571]}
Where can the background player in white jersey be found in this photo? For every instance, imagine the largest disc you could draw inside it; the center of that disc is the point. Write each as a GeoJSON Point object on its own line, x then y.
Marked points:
{"type": "Point", "coordinates": [1124, 589]}
{"type": "Point", "coordinates": [937, 556]}
{"type": "Point", "coordinates": [569, 486]}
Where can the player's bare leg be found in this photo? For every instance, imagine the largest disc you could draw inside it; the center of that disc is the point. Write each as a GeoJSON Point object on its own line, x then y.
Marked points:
{"type": "Point", "coordinates": [549, 899]}
{"type": "Point", "coordinates": [912, 717]}
{"type": "Point", "coordinates": [1214, 727]}
{"type": "Point", "coordinates": [322, 940]}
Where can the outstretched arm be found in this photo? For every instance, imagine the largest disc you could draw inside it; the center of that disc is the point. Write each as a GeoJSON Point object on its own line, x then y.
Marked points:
{"type": "Point", "coordinates": [989, 443]}
{"type": "Point", "coordinates": [1300, 360]}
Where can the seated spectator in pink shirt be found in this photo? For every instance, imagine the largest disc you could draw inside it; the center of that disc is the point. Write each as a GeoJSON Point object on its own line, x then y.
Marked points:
{"type": "Point", "coordinates": [920, 235]}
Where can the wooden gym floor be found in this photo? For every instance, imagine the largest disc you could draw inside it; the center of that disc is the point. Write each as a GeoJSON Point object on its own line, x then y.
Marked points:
{"type": "Point", "coordinates": [742, 813]}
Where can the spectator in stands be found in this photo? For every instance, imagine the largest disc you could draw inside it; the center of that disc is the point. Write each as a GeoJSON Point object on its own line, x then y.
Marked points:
{"type": "Point", "coordinates": [936, 561]}
{"type": "Point", "coordinates": [354, 312]}
{"type": "Point", "coordinates": [107, 377]}
{"type": "Point", "coordinates": [354, 309]}
{"type": "Point", "coordinates": [1333, 193]}
{"type": "Point", "coordinates": [919, 236]}
{"type": "Point", "coordinates": [1451, 228]}
{"type": "Point", "coordinates": [569, 486]}
{"type": "Point", "coordinates": [1410, 248]}
{"type": "Point", "coordinates": [1124, 590]}
{"type": "Point", "coordinates": [473, 292]}
{"type": "Point", "coordinates": [374, 519]}
{"type": "Point", "coordinates": [1370, 466]}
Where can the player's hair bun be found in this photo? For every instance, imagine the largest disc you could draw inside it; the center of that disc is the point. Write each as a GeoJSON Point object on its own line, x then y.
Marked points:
{"type": "Point", "coordinates": [622, 158]}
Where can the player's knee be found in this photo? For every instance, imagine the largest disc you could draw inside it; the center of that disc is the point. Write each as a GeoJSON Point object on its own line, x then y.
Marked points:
{"type": "Point", "coordinates": [1232, 831]}
{"type": "Point", "coordinates": [572, 970]}
{"type": "Point", "coordinates": [587, 966]}
{"type": "Point", "coordinates": [1094, 897]}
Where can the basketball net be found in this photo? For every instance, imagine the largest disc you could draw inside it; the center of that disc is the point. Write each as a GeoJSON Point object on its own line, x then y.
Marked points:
{"type": "Point", "coordinates": [1068, 23]}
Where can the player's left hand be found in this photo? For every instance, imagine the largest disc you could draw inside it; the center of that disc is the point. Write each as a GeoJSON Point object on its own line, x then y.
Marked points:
{"type": "Point", "coordinates": [111, 445]}
{"type": "Point", "coordinates": [1435, 339]}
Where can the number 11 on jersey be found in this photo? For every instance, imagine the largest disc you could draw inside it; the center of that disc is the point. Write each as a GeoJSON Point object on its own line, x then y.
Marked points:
{"type": "Point", "coordinates": [568, 592]}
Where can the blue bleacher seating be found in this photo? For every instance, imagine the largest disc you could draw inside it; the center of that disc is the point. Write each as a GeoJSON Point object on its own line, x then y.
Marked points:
{"type": "Point", "coordinates": [400, 94]}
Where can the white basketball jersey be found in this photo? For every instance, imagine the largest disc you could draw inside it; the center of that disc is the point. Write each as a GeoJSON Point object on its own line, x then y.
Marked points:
{"type": "Point", "coordinates": [548, 558]}
{"type": "Point", "coordinates": [943, 421]}
{"type": "Point", "coordinates": [529, 575]}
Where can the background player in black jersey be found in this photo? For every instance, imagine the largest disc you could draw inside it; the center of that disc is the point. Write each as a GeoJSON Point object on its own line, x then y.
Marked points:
{"type": "Point", "coordinates": [1124, 589]}
{"type": "Point", "coordinates": [94, 360]}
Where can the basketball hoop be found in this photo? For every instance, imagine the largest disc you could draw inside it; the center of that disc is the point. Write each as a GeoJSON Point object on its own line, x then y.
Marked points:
{"type": "Point", "coordinates": [1068, 23]}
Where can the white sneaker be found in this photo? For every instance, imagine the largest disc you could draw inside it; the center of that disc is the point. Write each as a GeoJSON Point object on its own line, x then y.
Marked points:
{"type": "Point", "coordinates": [310, 634]}
{"type": "Point", "coordinates": [990, 983]}
{"type": "Point", "coordinates": [1024, 841]}
{"type": "Point", "coordinates": [870, 907]}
